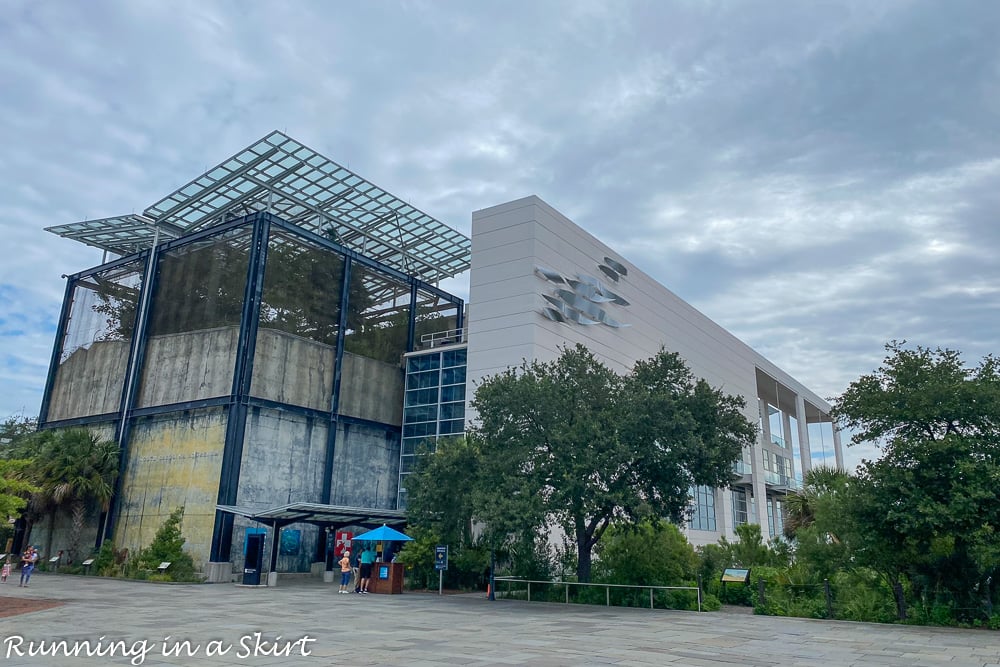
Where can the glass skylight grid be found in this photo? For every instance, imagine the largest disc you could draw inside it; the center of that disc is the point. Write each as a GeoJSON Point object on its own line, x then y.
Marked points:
{"type": "Point", "coordinates": [280, 175]}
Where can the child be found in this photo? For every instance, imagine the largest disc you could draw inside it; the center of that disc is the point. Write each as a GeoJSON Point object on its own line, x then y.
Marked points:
{"type": "Point", "coordinates": [5, 572]}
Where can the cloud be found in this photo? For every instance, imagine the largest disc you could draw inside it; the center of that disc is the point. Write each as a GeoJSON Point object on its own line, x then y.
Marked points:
{"type": "Point", "coordinates": [817, 177]}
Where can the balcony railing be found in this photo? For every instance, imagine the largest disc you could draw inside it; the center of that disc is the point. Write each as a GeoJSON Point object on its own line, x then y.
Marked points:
{"type": "Point", "coordinates": [742, 468]}
{"type": "Point", "coordinates": [449, 337]}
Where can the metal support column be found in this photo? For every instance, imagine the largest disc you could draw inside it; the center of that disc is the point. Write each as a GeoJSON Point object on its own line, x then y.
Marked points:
{"type": "Point", "coordinates": [338, 365]}
{"type": "Point", "coordinates": [232, 453]}
{"type": "Point", "coordinates": [137, 353]}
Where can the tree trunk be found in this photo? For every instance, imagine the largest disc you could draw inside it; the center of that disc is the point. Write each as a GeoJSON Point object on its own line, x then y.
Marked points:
{"type": "Point", "coordinates": [52, 530]}
{"type": "Point", "coordinates": [583, 558]}
{"type": "Point", "coordinates": [79, 514]}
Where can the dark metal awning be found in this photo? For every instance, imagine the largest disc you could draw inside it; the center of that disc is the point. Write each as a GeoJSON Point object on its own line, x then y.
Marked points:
{"type": "Point", "coordinates": [319, 514]}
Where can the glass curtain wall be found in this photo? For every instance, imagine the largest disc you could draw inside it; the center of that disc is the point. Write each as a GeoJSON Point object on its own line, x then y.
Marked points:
{"type": "Point", "coordinates": [702, 508]}
{"type": "Point", "coordinates": [821, 449]}
{"type": "Point", "coordinates": [195, 318]}
{"type": "Point", "coordinates": [94, 352]}
{"type": "Point", "coordinates": [796, 452]}
{"type": "Point", "coordinates": [297, 333]}
{"type": "Point", "coordinates": [741, 506]}
{"type": "Point", "coordinates": [434, 405]}
{"type": "Point", "coordinates": [775, 517]}
{"type": "Point", "coordinates": [436, 320]}
{"type": "Point", "coordinates": [378, 318]}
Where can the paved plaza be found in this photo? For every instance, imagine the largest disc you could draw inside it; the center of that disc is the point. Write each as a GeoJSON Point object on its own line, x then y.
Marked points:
{"type": "Point", "coordinates": [132, 619]}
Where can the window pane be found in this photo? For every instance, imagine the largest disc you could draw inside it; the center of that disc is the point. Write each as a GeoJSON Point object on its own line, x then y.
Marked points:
{"type": "Point", "coordinates": [453, 375]}
{"type": "Point", "coordinates": [422, 396]}
{"type": "Point", "coordinates": [194, 325]}
{"type": "Point", "coordinates": [299, 318]}
{"type": "Point", "coordinates": [452, 411]}
{"type": "Point", "coordinates": [422, 380]}
{"type": "Point", "coordinates": [96, 346]}
{"type": "Point", "coordinates": [453, 393]}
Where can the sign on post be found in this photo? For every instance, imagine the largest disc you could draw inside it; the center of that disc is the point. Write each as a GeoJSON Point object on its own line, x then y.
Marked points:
{"type": "Point", "coordinates": [441, 557]}
{"type": "Point", "coordinates": [737, 575]}
{"type": "Point", "coordinates": [441, 564]}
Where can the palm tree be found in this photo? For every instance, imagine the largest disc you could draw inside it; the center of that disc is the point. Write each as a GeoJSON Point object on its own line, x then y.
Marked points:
{"type": "Point", "coordinates": [819, 484]}
{"type": "Point", "coordinates": [75, 470]}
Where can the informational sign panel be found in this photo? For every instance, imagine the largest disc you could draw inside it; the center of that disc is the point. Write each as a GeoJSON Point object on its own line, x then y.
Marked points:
{"type": "Point", "coordinates": [736, 575]}
{"type": "Point", "coordinates": [441, 557]}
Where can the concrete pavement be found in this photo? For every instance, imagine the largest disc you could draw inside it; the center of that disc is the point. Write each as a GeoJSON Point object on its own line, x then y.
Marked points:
{"type": "Point", "coordinates": [307, 623]}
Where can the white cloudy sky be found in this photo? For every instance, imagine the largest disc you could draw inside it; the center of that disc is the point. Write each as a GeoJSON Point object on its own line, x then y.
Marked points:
{"type": "Point", "coordinates": [818, 177]}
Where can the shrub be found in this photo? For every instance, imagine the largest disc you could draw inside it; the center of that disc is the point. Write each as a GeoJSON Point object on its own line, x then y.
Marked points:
{"type": "Point", "coordinates": [710, 603]}
{"type": "Point", "coordinates": [167, 546]}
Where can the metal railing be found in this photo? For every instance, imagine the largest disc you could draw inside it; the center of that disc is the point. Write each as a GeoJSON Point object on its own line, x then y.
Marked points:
{"type": "Point", "coordinates": [442, 338]}
{"type": "Point", "coordinates": [607, 588]}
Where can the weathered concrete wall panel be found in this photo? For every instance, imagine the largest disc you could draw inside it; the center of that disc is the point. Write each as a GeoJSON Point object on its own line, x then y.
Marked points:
{"type": "Point", "coordinates": [293, 370]}
{"type": "Point", "coordinates": [90, 381]}
{"type": "Point", "coordinates": [188, 366]}
{"type": "Point", "coordinates": [372, 390]}
{"type": "Point", "coordinates": [174, 460]}
{"type": "Point", "coordinates": [283, 459]}
{"type": "Point", "coordinates": [365, 467]}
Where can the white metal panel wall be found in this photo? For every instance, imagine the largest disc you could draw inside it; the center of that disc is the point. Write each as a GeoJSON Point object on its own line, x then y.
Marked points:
{"type": "Point", "coordinates": [506, 325]}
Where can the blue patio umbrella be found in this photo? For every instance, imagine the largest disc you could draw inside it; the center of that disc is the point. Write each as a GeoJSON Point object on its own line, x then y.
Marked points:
{"type": "Point", "coordinates": [382, 534]}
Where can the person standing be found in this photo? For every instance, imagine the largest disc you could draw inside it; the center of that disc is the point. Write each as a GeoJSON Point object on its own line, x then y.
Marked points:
{"type": "Point", "coordinates": [345, 571]}
{"type": "Point", "coordinates": [28, 561]}
{"type": "Point", "coordinates": [367, 561]}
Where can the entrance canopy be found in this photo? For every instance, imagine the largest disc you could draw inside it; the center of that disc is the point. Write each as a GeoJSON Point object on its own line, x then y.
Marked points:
{"type": "Point", "coordinates": [318, 514]}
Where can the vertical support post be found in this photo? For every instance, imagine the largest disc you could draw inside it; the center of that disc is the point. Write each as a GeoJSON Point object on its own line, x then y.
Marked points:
{"type": "Point", "coordinates": [566, 586]}
{"type": "Point", "coordinates": [493, 582]}
{"type": "Point", "coordinates": [829, 598]}
{"type": "Point", "coordinates": [650, 598]}
{"type": "Point", "coordinates": [897, 591]}
{"type": "Point", "coordinates": [440, 582]}
{"type": "Point", "coordinates": [232, 453]}
{"type": "Point", "coordinates": [529, 591]}
{"type": "Point", "coordinates": [411, 334]}
{"type": "Point", "coordinates": [805, 453]}
{"type": "Point", "coordinates": [338, 365]}
{"type": "Point", "coordinates": [607, 596]}
{"type": "Point", "coordinates": [838, 448]}
{"type": "Point", "coordinates": [136, 357]}
{"type": "Point", "coordinates": [43, 413]}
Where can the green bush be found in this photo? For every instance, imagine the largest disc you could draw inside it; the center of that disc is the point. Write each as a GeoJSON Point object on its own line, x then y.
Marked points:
{"type": "Point", "coordinates": [862, 595]}
{"type": "Point", "coordinates": [710, 603]}
{"type": "Point", "coordinates": [167, 546]}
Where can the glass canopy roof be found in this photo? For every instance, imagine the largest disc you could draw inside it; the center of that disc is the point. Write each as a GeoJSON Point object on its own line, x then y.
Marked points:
{"type": "Point", "coordinates": [280, 175]}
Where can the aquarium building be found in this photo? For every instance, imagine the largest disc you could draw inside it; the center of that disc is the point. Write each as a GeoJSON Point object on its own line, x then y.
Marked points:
{"type": "Point", "coordinates": [269, 344]}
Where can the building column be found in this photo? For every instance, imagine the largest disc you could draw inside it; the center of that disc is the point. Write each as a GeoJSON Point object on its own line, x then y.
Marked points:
{"type": "Point", "coordinates": [759, 512]}
{"type": "Point", "coordinates": [724, 519]}
{"type": "Point", "coordinates": [838, 449]}
{"type": "Point", "coordinates": [803, 427]}
{"type": "Point", "coordinates": [786, 430]}
{"type": "Point", "coordinates": [765, 420]}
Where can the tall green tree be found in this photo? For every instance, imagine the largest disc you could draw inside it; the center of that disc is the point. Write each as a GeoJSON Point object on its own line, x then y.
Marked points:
{"type": "Point", "coordinates": [574, 443]}
{"type": "Point", "coordinates": [930, 507]}
{"type": "Point", "coordinates": [440, 491]}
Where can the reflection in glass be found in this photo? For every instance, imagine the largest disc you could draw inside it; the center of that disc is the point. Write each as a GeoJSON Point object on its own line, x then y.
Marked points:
{"type": "Point", "coordinates": [195, 320]}
{"type": "Point", "coordinates": [95, 348]}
